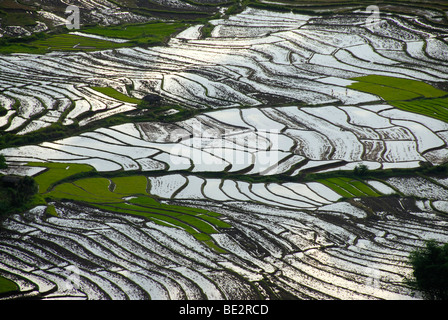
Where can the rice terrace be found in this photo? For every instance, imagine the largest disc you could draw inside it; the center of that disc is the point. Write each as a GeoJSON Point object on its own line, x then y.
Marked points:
{"type": "Point", "coordinates": [221, 149]}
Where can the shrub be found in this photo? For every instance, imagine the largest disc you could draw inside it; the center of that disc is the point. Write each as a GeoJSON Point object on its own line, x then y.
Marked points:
{"type": "Point", "coordinates": [3, 164]}
{"type": "Point", "coordinates": [430, 270]}
{"type": "Point", "coordinates": [361, 170]}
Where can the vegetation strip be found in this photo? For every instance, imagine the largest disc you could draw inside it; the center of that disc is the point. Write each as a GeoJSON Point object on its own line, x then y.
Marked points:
{"type": "Point", "coordinates": [407, 95]}
{"type": "Point", "coordinates": [97, 191]}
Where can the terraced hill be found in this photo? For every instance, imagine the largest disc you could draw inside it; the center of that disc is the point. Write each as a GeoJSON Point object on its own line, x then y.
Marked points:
{"type": "Point", "coordinates": [241, 183]}
{"type": "Point", "coordinates": [23, 18]}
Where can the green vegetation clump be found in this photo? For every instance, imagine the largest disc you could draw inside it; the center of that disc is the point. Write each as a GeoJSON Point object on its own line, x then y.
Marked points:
{"type": "Point", "coordinates": [7, 286]}
{"type": "Point", "coordinates": [361, 170]}
{"type": "Point", "coordinates": [3, 164]}
{"type": "Point", "coordinates": [71, 42]}
{"type": "Point", "coordinates": [130, 185]}
{"type": "Point", "coordinates": [349, 188]}
{"type": "Point", "coordinates": [57, 172]}
{"type": "Point", "coordinates": [408, 95]}
{"type": "Point", "coordinates": [18, 194]}
{"type": "Point", "coordinates": [116, 94]}
{"type": "Point", "coordinates": [148, 33]}
{"type": "Point", "coordinates": [137, 35]}
{"type": "Point", "coordinates": [51, 211]}
{"type": "Point", "coordinates": [395, 89]}
{"type": "Point", "coordinates": [430, 270]}
{"type": "Point", "coordinates": [128, 194]}
{"type": "Point", "coordinates": [3, 111]}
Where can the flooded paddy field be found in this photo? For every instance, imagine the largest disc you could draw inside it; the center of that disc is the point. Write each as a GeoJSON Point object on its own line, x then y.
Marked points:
{"type": "Point", "coordinates": [252, 196]}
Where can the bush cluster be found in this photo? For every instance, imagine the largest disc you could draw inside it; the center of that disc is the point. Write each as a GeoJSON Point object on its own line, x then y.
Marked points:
{"type": "Point", "coordinates": [16, 193]}
{"type": "Point", "coordinates": [430, 270]}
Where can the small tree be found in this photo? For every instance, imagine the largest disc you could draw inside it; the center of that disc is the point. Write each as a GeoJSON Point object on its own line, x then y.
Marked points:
{"type": "Point", "coordinates": [360, 170]}
{"type": "Point", "coordinates": [3, 164]}
{"type": "Point", "coordinates": [430, 273]}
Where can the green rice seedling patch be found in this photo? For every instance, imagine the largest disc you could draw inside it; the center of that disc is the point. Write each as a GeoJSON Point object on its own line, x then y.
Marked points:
{"type": "Point", "coordinates": [21, 48]}
{"type": "Point", "coordinates": [150, 202]}
{"type": "Point", "coordinates": [110, 92]}
{"type": "Point", "coordinates": [347, 186]}
{"type": "Point", "coordinates": [144, 201]}
{"type": "Point", "coordinates": [156, 217]}
{"type": "Point", "coordinates": [202, 237]}
{"type": "Point", "coordinates": [208, 216]}
{"type": "Point", "coordinates": [414, 86]}
{"type": "Point", "coordinates": [214, 221]}
{"type": "Point", "coordinates": [385, 92]}
{"type": "Point", "coordinates": [336, 188]}
{"type": "Point", "coordinates": [69, 191]}
{"type": "Point", "coordinates": [434, 108]}
{"type": "Point", "coordinates": [408, 95]}
{"type": "Point", "coordinates": [361, 186]}
{"type": "Point", "coordinates": [7, 286]}
{"type": "Point", "coordinates": [182, 213]}
{"type": "Point", "coordinates": [51, 211]}
{"type": "Point", "coordinates": [211, 244]}
{"type": "Point", "coordinates": [357, 187]}
{"type": "Point", "coordinates": [57, 172]}
{"type": "Point", "coordinates": [96, 192]}
{"type": "Point", "coordinates": [98, 187]}
{"type": "Point", "coordinates": [194, 226]}
{"type": "Point", "coordinates": [156, 210]}
{"type": "Point", "coordinates": [197, 211]}
{"type": "Point", "coordinates": [130, 185]}
{"type": "Point", "coordinates": [145, 32]}
{"type": "Point", "coordinates": [198, 223]}
{"type": "Point", "coordinates": [138, 34]}
{"type": "Point", "coordinates": [71, 42]}
{"type": "Point", "coordinates": [61, 42]}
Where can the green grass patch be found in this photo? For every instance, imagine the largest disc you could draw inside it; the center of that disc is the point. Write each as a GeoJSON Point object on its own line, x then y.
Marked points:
{"type": "Point", "coordinates": [336, 188]}
{"type": "Point", "coordinates": [143, 33]}
{"type": "Point", "coordinates": [130, 185]}
{"type": "Point", "coordinates": [56, 172]}
{"type": "Point", "coordinates": [71, 42]}
{"type": "Point", "coordinates": [168, 218]}
{"type": "Point", "coordinates": [385, 92]}
{"type": "Point", "coordinates": [51, 211]}
{"type": "Point", "coordinates": [435, 108]}
{"type": "Point", "coordinates": [349, 188]}
{"type": "Point", "coordinates": [61, 42]}
{"type": "Point", "coordinates": [145, 202]}
{"type": "Point", "coordinates": [408, 95]}
{"type": "Point", "coordinates": [416, 87]}
{"type": "Point", "coordinates": [110, 92]}
{"type": "Point", "coordinates": [98, 187]}
{"type": "Point", "coordinates": [344, 184]}
{"type": "Point", "coordinates": [139, 34]}
{"type": "Point", "coordinates": [7, 286]}
{"type": "Point", "coordinates": [21, 48]}
{"type": "Point", "coordinates": [96, 191]}
{"type": "Point", "coordinates": [364, 188]}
